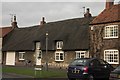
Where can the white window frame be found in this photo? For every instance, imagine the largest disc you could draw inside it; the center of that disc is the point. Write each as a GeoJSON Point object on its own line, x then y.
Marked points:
{"type": "Point", "coordinates": [91, 27]}
{"type": "Point", "coordinates": [21, 55]}
{"type": "Point", "coordinates": [111, 34]}
{"type": "Point", "coordinates": [59, 44]}
{"type": "Point", "coordinates": [38, 45]}
{"type": "Point", "coordinates": [111, 54]}
{"type": "Point", "coordinates": [58, 55]}
{"type": "Point", "coordinates": [82, 54]}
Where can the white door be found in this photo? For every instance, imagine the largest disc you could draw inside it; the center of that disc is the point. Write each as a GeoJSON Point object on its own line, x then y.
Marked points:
{"type": "Point", "coordinates": [38, 57]}
{"type": "Point", "coordinates": [38, 62]}
{"type": "Point", "coordinates": [10, 58]}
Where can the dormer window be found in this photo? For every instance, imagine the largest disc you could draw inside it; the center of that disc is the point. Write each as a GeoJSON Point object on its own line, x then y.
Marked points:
{"type": "Point", "coordinates": [111, 31]}
{"type": "Point", "coordinates": [59, 44]}
{"type": "Point", "coordinates": [37, 45]}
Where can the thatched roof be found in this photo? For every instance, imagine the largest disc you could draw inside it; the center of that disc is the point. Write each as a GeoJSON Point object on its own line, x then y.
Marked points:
{"type": "Point", "coordinates": [73, 32]}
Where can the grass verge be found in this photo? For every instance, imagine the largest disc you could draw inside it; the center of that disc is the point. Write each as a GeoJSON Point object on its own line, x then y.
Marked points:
{"type": "Point", "coordinates": [39, 74]}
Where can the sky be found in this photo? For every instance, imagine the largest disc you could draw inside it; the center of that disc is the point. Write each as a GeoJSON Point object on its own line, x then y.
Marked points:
{"type": "Point", "coordinates": [29, 13]}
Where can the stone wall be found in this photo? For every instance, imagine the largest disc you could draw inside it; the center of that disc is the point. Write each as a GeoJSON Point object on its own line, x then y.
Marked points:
{"type": "Point", "coordinates": [29, 55]}
{"type": "Point", "coordinates": [68, 57]}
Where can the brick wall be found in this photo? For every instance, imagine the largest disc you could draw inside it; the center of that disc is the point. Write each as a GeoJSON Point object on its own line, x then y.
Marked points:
{"type": "Point", "coordinates": [98, 43]}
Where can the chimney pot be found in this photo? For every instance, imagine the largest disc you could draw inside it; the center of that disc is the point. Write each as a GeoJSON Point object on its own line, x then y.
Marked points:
{"type": "Point", "coordinates": [88, 10]}
{"type": "Point", "coordinates": [14, 23]}
{"type": "Point", "coordinates": [43, 21]}
{"type": "Point", "coordinates": [14, 19]}
{"type": "Point", "coordinates": [87, 14]}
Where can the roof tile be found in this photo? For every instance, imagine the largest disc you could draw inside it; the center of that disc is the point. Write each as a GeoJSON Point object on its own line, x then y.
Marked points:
{"type": "Point", "coordinates": [108, 15]}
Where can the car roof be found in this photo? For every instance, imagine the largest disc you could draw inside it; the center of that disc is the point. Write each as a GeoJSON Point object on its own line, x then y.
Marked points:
{"type": "Point", "coordinates": [86, 59]}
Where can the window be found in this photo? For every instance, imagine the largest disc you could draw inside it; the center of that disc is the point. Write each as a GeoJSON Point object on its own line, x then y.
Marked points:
{"type": "Point", "coordinates": [92, 27]}
{"type": "Point", "coordinates": [21, 55]}
{"type": "Point", "coordinates": [94, 63]}
{"type": "Point", "coordinates": [59, 44]}
{"type": "Point", "coordinates": [37, 45]}
{"type": "Point", "coordinates": [38, 54]}
{"type": "Point", "coordinates": [82, 54]}
{"type": "Point", "coordinates": [59, 56]}
{"type": "Point", "coordinates": [111, 56]}
{"type": "Point", "coordinates": [111, 31]}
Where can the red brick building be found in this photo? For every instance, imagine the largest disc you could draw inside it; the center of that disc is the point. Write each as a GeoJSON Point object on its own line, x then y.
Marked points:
{"type": "Point", "coordinates": [105, 34]}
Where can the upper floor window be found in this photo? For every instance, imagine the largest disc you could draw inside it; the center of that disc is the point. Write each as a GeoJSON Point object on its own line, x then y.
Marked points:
{"type": "Point", "coordinates": [111, 31]}
{"type": "Point", "coordinates": [59, 44]}
{"type": "Point", "coordinates": [111, 56]}
{"type": "Point", "coordinates": [21, 55]}
{"type": "Point", "coordinates": [82, 54]}
{"type": "Point", "coordinates": [37, 45]}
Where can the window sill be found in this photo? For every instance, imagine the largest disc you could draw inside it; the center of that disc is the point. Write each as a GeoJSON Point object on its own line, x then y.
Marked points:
{"type": "Point", "coordinates": [59, 48]}
{"type": "Point", "coordinates": [110, 37]}
{"type": "Point", "coordinates": [113, 63]}
{"type": "Point", "coordinates": [59, 60]}
{"type": "Point", "coordinates": [21, 59]}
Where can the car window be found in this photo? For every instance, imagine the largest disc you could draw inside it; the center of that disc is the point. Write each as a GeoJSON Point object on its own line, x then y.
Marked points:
{"type": "Point", "coordinates": [102, 62]}
{"type": "Point", "coordinates": [94, 63]}
{"type": "Point", "coordinates": [79, 62]}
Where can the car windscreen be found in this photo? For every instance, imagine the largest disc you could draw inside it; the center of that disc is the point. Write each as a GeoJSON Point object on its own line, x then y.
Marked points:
{"type": "Point", "coordinates": [118, 68]}
{"type": "Point", "coordinates": [80, 62]}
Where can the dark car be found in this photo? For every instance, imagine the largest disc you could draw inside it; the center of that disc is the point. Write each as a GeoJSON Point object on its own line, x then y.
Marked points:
{"type": "Point", "coordinates": [89, 69]}
{"type": "Point", "coordinates": [115, 75]}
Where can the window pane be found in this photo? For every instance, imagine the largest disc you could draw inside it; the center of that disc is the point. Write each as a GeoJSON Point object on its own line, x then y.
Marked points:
{"type": "Point", "coordinates": [21, 56]}
{"type": "Point", "coordinates": [61, 56]}
{"type": "Point", "coordinates": [77, 55]}
{"type": "Point", "coordinates": [57, 57]}
{"type": "Point", "coordinates": [112, 56]}
{"type": "Point", "coordinates": [111, 31]}
{"type": "Point", "coordinates": [59, 44]}
{"type": "Point", "coordinates": [82, 54]}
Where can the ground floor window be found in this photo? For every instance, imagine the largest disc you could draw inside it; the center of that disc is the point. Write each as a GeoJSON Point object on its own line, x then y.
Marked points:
{"type": "Point", "coordinates": [59, 56]}
{"type": "Point", "coordinates": [82, 54]}
{"type": "Point", "coordinates": [21, 55]}
{"type": "Point", "coordinates": [111, 56]}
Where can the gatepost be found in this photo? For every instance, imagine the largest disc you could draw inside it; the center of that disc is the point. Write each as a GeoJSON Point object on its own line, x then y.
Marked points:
{"type": "Point", "coordinates": [38, 68]}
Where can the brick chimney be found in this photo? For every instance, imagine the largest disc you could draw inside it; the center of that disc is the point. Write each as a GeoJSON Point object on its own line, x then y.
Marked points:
{"type": "Point", "coordinates": [109, 3]}
{"type": "Point", "coordinates": [43, 21]}
{"type": "Point", "coordinates": [87, 14]}
{"type": "Point", "coordinates": [14, 23]}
